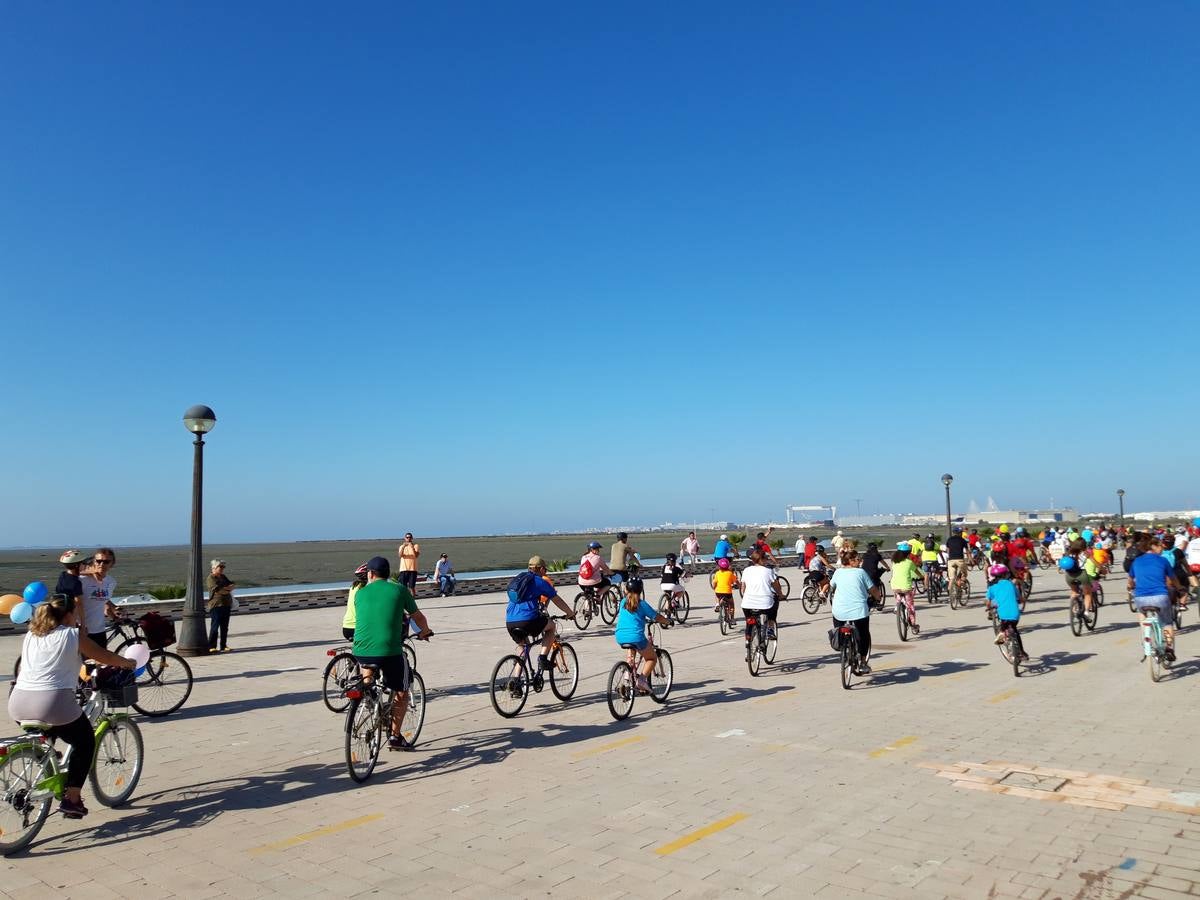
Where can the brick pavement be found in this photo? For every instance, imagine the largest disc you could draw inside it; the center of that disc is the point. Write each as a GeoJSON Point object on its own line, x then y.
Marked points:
{"type": "Point", "coordinates": [942, 775]}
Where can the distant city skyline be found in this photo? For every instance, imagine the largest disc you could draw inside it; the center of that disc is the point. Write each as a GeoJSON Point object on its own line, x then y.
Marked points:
{"type": "Point", "coordinates": [493, 268]}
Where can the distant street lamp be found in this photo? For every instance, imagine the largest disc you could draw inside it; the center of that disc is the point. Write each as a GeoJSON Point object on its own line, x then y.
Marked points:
{"type": "Point", "coordinates": [1121, 500]}
{"type": "Point", "coordinates": [946, 479]}
{"type": "Point", "coordinates": [193, 636]}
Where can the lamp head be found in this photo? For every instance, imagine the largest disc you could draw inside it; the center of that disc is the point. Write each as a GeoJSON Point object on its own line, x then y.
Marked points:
{"type": "Point", "coordinates": [947, 478]}
{"type": "Point", "coordinates": [199, 419]}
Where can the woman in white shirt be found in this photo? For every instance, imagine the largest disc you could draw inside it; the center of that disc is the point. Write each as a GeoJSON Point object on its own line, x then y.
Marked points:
{"type": "Point", "coordinates": [760, 593]}
{"type": "Point", "coordinates": [45, 688]}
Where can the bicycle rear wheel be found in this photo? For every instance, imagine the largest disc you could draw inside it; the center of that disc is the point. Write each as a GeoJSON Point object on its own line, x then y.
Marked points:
{"type": "Point", "coordinates": [120, 755]}
{"type": "Point", "coordinates": [1077, 617]}
{"type": "Point", "coordinates": [1090, 619]}
{"type": "Point", "coordinates": [771, 647]}
{"type": "Point", "coordinates": [509, 686]}
{"type": "Point", "coordinates": [23, 806]}
{"type": "Point", "coordinates": [754, 660]}
{"type": "Point", "coordinates": [564, 672]}
{"type": "Point", "coordinates": [902, 619]}
{"type": "Point", "coordinates": [683, 607]}
{"type": "Point", "coordinates": [414, 716]}
{"type": "Point", "coordinates": [165, 685]}
{"type": "Point", "coordinates": [340, 673]}
{"type": "Point", "coordinates": [583, 611]}
{"type": "Point", "coordinates": [364, 737]}
{"type": "Point", "coordinates": [785, 587]}
{"type": "Point", "coordinates": [847, 661]}
{"type": "Point", "coordinates": [662, 677]}
{"type": "Point", "coordinates": [723, 619]}
{"type": "Point", "coordinates": [1015, 657]}
{"type": "Point", "coordinates": [410, 653]}
{"type": "Point", "coordinates": [620, 691]}
{"type": "Point", "coordinates": [810, 600]}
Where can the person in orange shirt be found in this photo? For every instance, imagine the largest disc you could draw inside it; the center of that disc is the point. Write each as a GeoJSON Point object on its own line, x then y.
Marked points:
{"type": "Point", "coordinates": [724, 582]}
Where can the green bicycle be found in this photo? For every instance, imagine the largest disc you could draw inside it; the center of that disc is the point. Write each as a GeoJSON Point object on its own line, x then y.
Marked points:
{"type": "Point", "coordinates": [32, 775]}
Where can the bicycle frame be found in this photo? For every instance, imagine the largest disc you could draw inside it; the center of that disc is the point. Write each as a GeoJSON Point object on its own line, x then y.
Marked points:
{"type": "Point", "coordinates": [1153, 642]}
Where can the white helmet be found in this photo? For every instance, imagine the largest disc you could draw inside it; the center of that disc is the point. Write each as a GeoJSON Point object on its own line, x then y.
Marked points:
{"type": "Point", "coordinates": [724, 537]}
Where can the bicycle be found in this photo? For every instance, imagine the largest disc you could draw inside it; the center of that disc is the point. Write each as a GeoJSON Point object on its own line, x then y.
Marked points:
{"type": "Point", "coordinates": [592, 601]}
{"type": "Point", "coordinates": [514, 676]}
{"type": "Point", "coordinates": [341, 672]}
{"type": "Point", "coordinates": [622, 678]}
{"type": "Point", "coordinates": [906, 618]}
{"type": "Point", "coordinates": [851, 657]}
{"type": "Point", "coordinates": [1045, 560]}
{"type": "Point", "coordinates": [727, 616]}
{"type": "Point", "coordinates": [1011, 648]}
{"type": "Point", "coordinates": [32, 775]}
{"type": "Point", "coordinates": [960, 592]}
{"type": "Point", "coordinates": [764, 641]}
{"type": "Point", "coordinates": [1080, 617]}
{"type": "Point", "coordinates": [369, 718]}
{"type": "Point", "coordinates": [1154, 645]}
{"type": "Point", "coordinates": [812, 596]}
{"type": "Point", "coordinates": [939, 587]}
{"type": "Point", "coordinates": [675, 605]}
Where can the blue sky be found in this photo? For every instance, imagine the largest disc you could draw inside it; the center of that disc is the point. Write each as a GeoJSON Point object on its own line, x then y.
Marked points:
{"type": "Point", "coordinates": [459, 268]}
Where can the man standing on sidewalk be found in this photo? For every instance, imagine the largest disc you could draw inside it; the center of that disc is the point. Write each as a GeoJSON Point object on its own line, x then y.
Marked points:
{"type": "Point", "coordinates": [410, 552]}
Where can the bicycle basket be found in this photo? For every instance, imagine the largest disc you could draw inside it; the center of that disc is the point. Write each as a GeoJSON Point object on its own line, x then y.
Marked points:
{"type": "Point", "coordinates": [835, 639]}
{"type": "Point", "coordinates": [158, 629]}
{"type": "Point", "coordinates": [119, 686]}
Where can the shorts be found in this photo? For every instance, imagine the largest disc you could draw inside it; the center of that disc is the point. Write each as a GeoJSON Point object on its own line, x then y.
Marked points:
{"type": "Point", "coordinates": [348, 633]}
{"type": "Point", "coordinates": [636, 645]}
{"type": "Point", "coordinates": [409, 580]}
{"type": "Point", "coordinates": [1018, 562]}
{"type": "Point", "coordinates": [672, 588]}
{"type": "Point", "coordinates": [530, 629]}
{"type": "Point", "coordinates": [394, 669]}
{"type": "Point", "coordinates": [1161, 603]}
{"type": "Point", "coordinates": [772, 614]}
{"type": "Point", "coordinates": [956, 567]}
{"type": "Point", "coordinates": [724, 597]}
{"type": "Point", "coordinates": [618, 576]}
{"type": "Point", "coordinates": [1083, 579]}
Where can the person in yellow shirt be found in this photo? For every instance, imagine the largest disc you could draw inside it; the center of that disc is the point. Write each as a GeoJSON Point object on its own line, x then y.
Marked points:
{"type": "Point", "coordinates": [725, 580]}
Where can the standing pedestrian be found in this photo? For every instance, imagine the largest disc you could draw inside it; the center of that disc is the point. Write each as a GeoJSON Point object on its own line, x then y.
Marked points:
{"type": "Point", "coordinates": [689, 549]}
{"type": "Point", "coordinates": [220, 607]}
{"type": "Point", "coordinates": [443, 573]}
{"type": "Point", "coordinates": [98, 588]}
{"type": "Point", "coordinates": [410, 552]}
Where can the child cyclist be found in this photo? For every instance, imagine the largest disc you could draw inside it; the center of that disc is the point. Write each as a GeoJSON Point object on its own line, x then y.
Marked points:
{"type": "Point", "coordinates": [632, 618]}
{"type": "Point", "coordinates": [1003, 596]}
{"type": "Point", "coordinates": [672, 576]}
{"type": "Point", "coordinates": [724, 582]}
{"type": "Point", "coordinates": [904, 573]}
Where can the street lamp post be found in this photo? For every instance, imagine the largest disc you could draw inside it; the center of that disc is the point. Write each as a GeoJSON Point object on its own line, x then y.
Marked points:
{"type": "Point", "coordinates": [946, 479]}
{"type": "Point", "coordinates": [1121, 500]}
{"type": "Point", "coordinates": [193, 638]}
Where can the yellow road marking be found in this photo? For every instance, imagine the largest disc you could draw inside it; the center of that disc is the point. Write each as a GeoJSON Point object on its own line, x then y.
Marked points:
{"type": "Point", "coordinates": [893, 746]}
{"type": "Point", "coordinates": [776, 696]}
{"type": "Point", "coordinates": [689, 839]}
{"type": "Point", "coordinates": [319, 833]}
{"type": "Point", "coordinates": [1124, 641]}
{"type": "Point", "coordinates": [604, 748]}
{"type": "Point", "coordinates": [1002, 696]}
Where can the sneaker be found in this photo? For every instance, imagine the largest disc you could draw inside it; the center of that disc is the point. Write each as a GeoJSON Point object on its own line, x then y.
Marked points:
{"type": "Point", "coordinates": [226, 649]}
{"type": "Point", "coordinates": [397, 742]}
{"type": "Point", "coordinates": [1000, 638]}
{"type": "Point", "coordinates": [643, 686]}
{"type": "Point", "coordinates": [864, 669]}
{"type": "Point", "coordinates": [916, 629]}
{"type": "Point", "coordinates": [1024, 657]}
{"type": "Point", "coordinates": [72, 810]}
{"type": "Point", "coordinates": [1171, 654]}
{"type": "Point", "coordinates": [514, 688]}
{"type": "Point", "coordinates": [213, 650]}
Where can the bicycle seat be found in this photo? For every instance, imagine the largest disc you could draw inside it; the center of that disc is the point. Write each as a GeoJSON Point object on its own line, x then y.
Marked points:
{"type": "Point", "coordinates": [34, 725]}
{"type": "Point", "coordinates": [628, 646]}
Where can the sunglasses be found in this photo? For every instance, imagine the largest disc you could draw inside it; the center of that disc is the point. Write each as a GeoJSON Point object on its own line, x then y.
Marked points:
{"type": "Point", "coordinates": [104, 562]}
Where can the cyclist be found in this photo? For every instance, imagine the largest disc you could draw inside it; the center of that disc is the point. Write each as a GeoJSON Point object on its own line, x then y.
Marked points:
{"type": "Point", "coordinates": [875, 567]}
{"type": "Point", "coordinates": [631, 629]}
{"type": "Point", "coordinates": [1019, 548]}
{"type": "Point", "coordinates": [852, 594]}
{"type": "Point", "coordinates": [1002, 595]}
{"type": "Point", "coordinates": [348, 620]}
{"type": "Point", "coordinates": [956, 552]}
{"type": "Point", "coordinates": [724, 549]}
{"type": "Point", "coordinates": [1151, 579]}
{"type": "Point", "coordinates": [45, 688]}
{"type": "Point", "coordinates": [761, 594]}
{"type": "Point", "coordinates": [929, 555]}
{"type": "Point", "coordinates": [1077, 579]}
{"type": "Point", "coordinates": [818, 571]}
{"type": "Point", "coordinates": [1000, 551]}
{"type": "Point", "coordinates": [671, 576]}
{"type": "Point", "coordinates": [623, 558]}
{"type": "Point", "coordinates": [761, 545]}
{"type": "Point", "coordinates": [525, 616]}
{"type": "Point", "coordinates": [593, 570]}
{"type": "Point", "coordinates": [904, 573]}
{"type": "Point", "coordinates": [382, 609]}
{"type": "Point", "coordinates": [724, 582]}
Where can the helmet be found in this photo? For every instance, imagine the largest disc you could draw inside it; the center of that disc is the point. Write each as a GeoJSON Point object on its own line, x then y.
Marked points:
{"type": "Point", "coordinates": [671, 557]}
{"type": "Point", "coordinates": [73, 557]}
{"type": "Point", "coordinates": [723, 563]}
{"type": "Point", "coordinates": [594, 545]}
{"type": "Point", "coordinates": [957, 529]}
{"type": "Point", "coordinates": [1086, 534]}
{"type": "Point", "coordinates": [997, 570]}
{"type": "Point", "coordinates": [634, 585]}
{"type": "Point", "coordinates": [929, 537]}
{"type": "Point", "coordinates": [903, 547]}
{"type": "Point", "coordinates": [1067, 563]}
{"type": "Point", "coordinates": [1181, 530]}
{"type": "Point", "coordinates": [724, 537]}
{"type": "Point", "coordinates": [1003, 529]}
{"type": "Point", "coordinates": [1021, 531]}
{"type": "Point", "coordinates": [361, 571]}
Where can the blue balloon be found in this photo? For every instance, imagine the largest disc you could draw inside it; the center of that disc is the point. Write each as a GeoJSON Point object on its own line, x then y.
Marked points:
{"type": "Point", "coordinates": [1196, 521]}
{"type": "Point", "coordinates": [1066, 563]}
{"type": "Point", "coordinates": [35, 593]}
{"type": "Point", "coordinates": [138, 673]}
{"type": "Point", "coordinates": [21, 613]}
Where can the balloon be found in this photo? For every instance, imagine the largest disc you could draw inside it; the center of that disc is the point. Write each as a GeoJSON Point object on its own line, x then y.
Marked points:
{"type": "Point", "coordinates": [35, 593]}
{"type": "Point", "coordinates": [8, 601]}
{"type": "Point", "coordinates": [139, 653]}
{"type": "Point", "coordinates": [139, 672]}
{"type": "Point", "coordinates": [21, 613]}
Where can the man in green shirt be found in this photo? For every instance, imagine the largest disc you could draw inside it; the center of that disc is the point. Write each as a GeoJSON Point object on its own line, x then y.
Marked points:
{"type": "Point", "coordinates": [382, 610]}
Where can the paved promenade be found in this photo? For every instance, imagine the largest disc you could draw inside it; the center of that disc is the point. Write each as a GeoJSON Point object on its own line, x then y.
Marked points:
{"type": "Point", "coordinates": [942, 775]}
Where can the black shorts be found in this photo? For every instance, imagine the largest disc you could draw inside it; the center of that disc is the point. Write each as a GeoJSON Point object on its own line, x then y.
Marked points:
{"type": "Point", "coordinates": [393, 668]}
{"type": "Point", "coordinates": [772, 614]}
{"type": "Point", "coordinates": [348, 634]}
{"type": "Point", "coordinates": [409, 580]}
{"type": "Point", "coordinates": [531, 628]}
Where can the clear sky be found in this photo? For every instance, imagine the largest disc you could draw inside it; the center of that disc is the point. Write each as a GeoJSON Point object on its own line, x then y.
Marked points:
{"type": "Point", "coordinates": [474, 267]}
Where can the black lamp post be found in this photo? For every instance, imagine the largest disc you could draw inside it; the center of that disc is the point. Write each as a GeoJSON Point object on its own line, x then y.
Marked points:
{"type": "Point", "coordinates": [946, 479]}
{"type": "Point", "coordinates": [1121, 500]}
{"type": "Point", "coordinates": [193, 637]}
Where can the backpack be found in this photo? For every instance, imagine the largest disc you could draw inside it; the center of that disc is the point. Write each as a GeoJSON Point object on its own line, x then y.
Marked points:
{"type": "Point", "coordinates": [519, 586]}
{"type": "Point", "coordinates": [586, 570]}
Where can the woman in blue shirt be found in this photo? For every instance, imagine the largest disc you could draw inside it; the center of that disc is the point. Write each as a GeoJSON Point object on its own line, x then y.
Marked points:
{"type": "Point", "coordinates": [852, 590]}
{"type": "Point", "coordinates": [1151, 578]}
{"type": "Point", "coordinates": [632, 618]}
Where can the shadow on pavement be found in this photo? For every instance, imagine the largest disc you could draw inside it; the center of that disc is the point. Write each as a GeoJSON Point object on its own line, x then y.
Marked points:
{"type": "Point", "coordinates": [909, 674]}
{"type": "Point", "coordinates": [229, 707]}
{"type": "Point", "coordinates": [1048, 662]}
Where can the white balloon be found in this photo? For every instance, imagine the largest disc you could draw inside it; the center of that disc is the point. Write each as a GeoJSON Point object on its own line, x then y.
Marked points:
{"type": "Point", "coordinates": [139, 653]}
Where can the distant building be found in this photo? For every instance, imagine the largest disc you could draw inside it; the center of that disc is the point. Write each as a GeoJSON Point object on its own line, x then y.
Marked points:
{"type": "Point", "coordinates": [1010, 516]}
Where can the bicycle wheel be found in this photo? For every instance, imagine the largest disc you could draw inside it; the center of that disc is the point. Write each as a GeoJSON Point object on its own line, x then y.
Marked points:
{"type": "Point", "coordinates": [165, 685]}
{"type": "Point", "coordinates": [754, 660]}
{"type": "Point", "coordinates": [847, 661]}
{"type": "Point", "coordinates": [1132, 609]}
{"type": "Point", "coordinates": [509, 686]}
{"type": "Point", "coordinates": [1090, 619]}
{"type": "Point", "coordinates": [23, 807]}
{"type": "Point", "coordinates": [414, 716]}
{"type": "Point", "coordinates": [771, 647]}
{"type": "Point", "coordinates": [1015, 657]}
{"type": "Point", "coordinates": [956, 597]}
{"type": "Point", "coordinates": [1076, 618]}
{"type": "Point", "coordinates": [564, 671]}
{"type": "Point", "coordinates": [810, 599]}
{"type": "Point", "coordinates": [662, 677]}
{"type": "Point", "coordinates": [620, 691]}
{"type": "Point", "coordinates": [664, 606]}
{"type": "Point", "coordinates": [724, 620]}
{"type": "Point", "coordinates": [120, 755]}
{"type": "Point", "coordinates": [583, 611]}
{"type": "Point", "coordinates": [785, 587]}
{"type": "Point", "coordinates": [966, 590]}
{"type": "Point", "coordinates": [683, 607]}
{"type": "Point", "coordinates": [609, 606]}
{"type": "Point", "coordinates": [901, 619]}
{"type": "Point", "coordinates": [1006, 649]}
{"type": "Point", "coordinates": [410, 654]}
{"type": "Point", "coordinates": [340, 673]}
{"type": "Point", "coordinates": [882, 597]}
{"type": "Point", "coordinates": [364, 737]}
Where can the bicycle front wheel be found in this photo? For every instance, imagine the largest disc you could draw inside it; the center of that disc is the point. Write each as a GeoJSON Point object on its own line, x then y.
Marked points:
{"type": "Point", "coordinates": [564, 672]}
{"type": "Point", "coordinates": [662, 677]}
{"type": "Point", "coordinates": [509, 686]}
{"type": "Point", "coordinates": [414, 716]}
{"type": "Point", "coordinates": [340, 672]}
{"type": "Point", "coordinates": [785, 587]}
{"type": "Point", "coordinates": [120, 755]}
{"type": "Point", "coordinates": [610, 605]}
{"type": "Point", "coordinates": [583, 611]}
{"type": "Point", "coordinates": [165, 685]}
{"type": "Point", "coordinates": [810, 600]}
{"type": "Point", "coordinates": [620, 691]}
{"type": "Point", "coordinates": [410, 654]}
{"type": "Point", "coordinates": [23, 805]}
{"type": "Point", "coordinates": [683, 607]}
{"type": "Point", "coordinates": [771, 647]}
{"type": "Point", "coordinates": [364, 737]}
